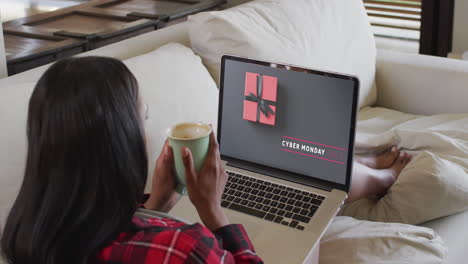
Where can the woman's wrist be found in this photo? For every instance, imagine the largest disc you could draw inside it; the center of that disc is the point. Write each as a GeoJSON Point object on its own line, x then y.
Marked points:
{"type": "Point", "coordinates": [212, 216]}
{"type": "Point", "coordinates": [152, 203]}
{"type": "Point", "coordinates": [161, 204]}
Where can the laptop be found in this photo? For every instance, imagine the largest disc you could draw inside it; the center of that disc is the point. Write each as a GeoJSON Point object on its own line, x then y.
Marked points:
{"type": "Point", "coordinates": [286, 137]}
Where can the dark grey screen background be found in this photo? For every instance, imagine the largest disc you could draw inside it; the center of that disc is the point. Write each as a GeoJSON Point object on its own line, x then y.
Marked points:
{"type": "Point", "coordinates": [309, 107]}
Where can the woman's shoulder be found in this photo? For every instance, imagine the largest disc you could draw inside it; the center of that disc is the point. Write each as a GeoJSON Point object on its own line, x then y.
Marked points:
{"type": "Point", "coordinates": [156, 238]}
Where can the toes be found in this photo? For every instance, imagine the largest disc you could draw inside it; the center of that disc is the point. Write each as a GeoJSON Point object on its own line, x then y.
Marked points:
{"type": "Point", "coordinates": [405, 158]}
{"type": "Point", "coordinates": [391, 156]}
{"type": "Point", "coordinates": [409, 158]}
{"type": "Point", "coordinates": [402, 157]}
{"type": "Point", "coordinates": [393, 151]}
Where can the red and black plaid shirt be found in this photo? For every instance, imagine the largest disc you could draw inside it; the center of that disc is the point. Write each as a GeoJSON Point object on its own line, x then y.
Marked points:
{"type": "Point", "coordinates": [161, 240]}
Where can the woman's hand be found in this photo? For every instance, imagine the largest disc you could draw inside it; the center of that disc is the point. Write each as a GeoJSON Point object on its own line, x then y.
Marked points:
{"type": "Point", "coordinates": [163, 196]}
{"type": "Point", "coordinates": [206, 187]}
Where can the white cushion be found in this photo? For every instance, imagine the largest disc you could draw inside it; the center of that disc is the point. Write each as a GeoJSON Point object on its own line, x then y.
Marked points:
{"type": "Point", "coordinates": [330, 35]}
{"type": "Point", "coordinates": [173, 82]}
{"type": "Point", "coordinates": [177, 88]}
{"type": "Point", "coordinates": [14, 101]}
{"type": "Point", "coordinates": [348, 240]}
{"type": "Point", "coordinates": [414, 83]}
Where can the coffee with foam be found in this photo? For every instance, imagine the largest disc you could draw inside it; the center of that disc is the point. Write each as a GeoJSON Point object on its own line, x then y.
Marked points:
{"type": "Point", "coordinates": [189, 131]}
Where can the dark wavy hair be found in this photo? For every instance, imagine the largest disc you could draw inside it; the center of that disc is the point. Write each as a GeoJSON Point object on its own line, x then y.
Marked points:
{"type": "Point", "coordinates": [86, 165]}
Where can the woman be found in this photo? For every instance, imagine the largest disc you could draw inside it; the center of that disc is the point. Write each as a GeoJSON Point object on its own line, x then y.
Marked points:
{"type": "Point", "coordinates": [86, 171]}
{"type": "Point", "coordinates": [85, 175]}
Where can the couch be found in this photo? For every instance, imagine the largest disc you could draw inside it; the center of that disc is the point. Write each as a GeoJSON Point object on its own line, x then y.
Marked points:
{"type": "Point", "coordinates": [402, 80]}
{"type": "Point", "coordinates": [3, 65]}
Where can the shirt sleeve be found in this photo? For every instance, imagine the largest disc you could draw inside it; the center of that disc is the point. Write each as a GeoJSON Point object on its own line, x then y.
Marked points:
{"type": "Point", "coordinates": [229, 245]}
{"type": "Point", "coordinates": [234, 239]}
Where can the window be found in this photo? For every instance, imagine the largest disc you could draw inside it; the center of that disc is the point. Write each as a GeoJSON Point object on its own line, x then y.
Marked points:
{"type": "Point", "coordinates": [395, 19]}
{"type": "Point", "coordinates": [424, 26]}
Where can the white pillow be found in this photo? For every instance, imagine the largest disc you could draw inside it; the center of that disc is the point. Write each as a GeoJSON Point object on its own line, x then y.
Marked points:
{"type": "Point", "coordinates": [177, 88]}
{"type": "Point", "coordinates": [330, 35]}
{"type": "Point", "coordinates": [431, 186]}
{"type": "Point", "coordinates": [348, 240]}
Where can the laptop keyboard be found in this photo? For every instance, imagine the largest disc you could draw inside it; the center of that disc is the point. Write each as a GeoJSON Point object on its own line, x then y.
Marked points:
{"type": "Point", "coordinates": [269, 201]}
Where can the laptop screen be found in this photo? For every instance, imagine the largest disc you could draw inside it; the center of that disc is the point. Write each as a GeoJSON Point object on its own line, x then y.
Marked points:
{"type": "Point", "coordinates": [288, 118]}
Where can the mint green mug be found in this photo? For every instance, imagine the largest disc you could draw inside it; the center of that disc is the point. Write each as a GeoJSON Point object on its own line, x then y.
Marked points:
{"type": "Point", "coordinates": [194, 136]}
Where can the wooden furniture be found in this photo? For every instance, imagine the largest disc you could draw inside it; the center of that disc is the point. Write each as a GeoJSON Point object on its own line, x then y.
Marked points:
{"type": "Point", "coordinates": [14, 9]}
{"type": "Point", "coordinates": [25, 51]}
{"type": "Point", "coordinates": [163, 10]}
{"type": "Point", "coordinates": [37, 40]}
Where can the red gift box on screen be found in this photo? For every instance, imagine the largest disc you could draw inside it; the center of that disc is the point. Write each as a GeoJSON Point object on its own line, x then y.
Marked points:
{"type": "Point", "coordinates": [260, 98]}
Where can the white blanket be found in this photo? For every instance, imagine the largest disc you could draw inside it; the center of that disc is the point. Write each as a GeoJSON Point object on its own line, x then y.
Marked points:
{"type": "Point", "coordinates": [445, 134]}
{"type": "Point", "coordinates": [435, 182]}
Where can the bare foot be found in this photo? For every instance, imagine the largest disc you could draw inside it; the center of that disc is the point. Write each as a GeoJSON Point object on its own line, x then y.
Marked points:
{"type": "Point", "coordinates": [387, 177]}
{"type": "Point", "coordinates": [381, 161]}
{"type": "Point", "coordinates": [399, 164]}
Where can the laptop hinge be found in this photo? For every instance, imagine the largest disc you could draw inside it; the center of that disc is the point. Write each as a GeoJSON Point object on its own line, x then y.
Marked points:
{"type": "Point", "coordinates": [279, 175]}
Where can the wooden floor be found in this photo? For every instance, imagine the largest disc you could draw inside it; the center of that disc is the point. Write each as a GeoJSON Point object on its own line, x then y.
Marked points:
{"type": "Point", "coordinates": [13, 9]}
